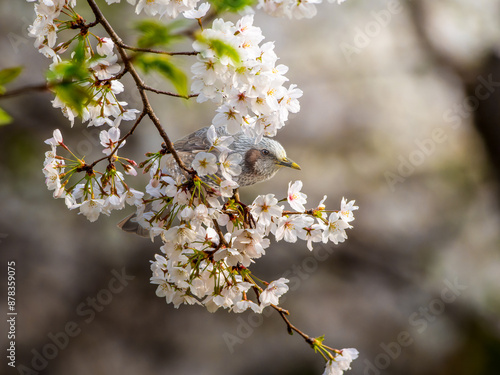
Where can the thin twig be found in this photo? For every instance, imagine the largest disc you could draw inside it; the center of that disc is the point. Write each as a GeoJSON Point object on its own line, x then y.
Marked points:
{"type": "Point", "coordinates": [139, 119]}
{"type": "Point", "coordinates": [121, 74]}
{"type": "Point", "coordinates": [92, 24]}
{"type": "Point", "coordinates": [138, 81]}
{"type": "Point", "coordinates": [159, 52]}
{"type": "Point", "coordinates": [307, 212]}
{"type": "Point", "coordinates": [191, 32]}
{"type": "Point", "coordinates": [149, 88]}
{"type": "Point", "coordinates": [221, 235]}
{"type": "Point", "coordinates": [283, 313]}
{"type": "Point", "coordinates": [26, 89]}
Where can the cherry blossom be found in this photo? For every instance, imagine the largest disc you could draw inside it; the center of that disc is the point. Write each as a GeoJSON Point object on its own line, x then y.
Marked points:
{"type": "Point", "coordinates": [275, 289]}
{"type": "Point", "coordinates": [205, 163]}
{"type": "Point", "coordinates": [295, 198]}
{"type": "Point", "coordinates": [341, 363]}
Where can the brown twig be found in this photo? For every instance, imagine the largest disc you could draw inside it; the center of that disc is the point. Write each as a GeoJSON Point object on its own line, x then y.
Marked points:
{"type": "Point", "coordinates": [191, 32]}
{"type": "Point", "coordinates": [139, 119]}
{"type": "Point", "coordinates": [121, 74]}
{"type": "Point", "coordinates": [152, 89]}
{"type": "Point", "coordinates": [138, 81]}
{"type": "Point", "coordinates": [159, 52]}
{"type": "Point", "coordinates": [290, 327]}
{"type": "Point", "coordinates": [23, 90]}
{"type": "Point", "coordinates": [222, 240]}
{"type": "Point", "coordinates": [307, 212]}
{"type": "Point", "coordinates": [283, 313]}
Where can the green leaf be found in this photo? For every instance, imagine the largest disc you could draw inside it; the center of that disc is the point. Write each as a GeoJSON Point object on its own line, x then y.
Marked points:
{"type": "Point", "coordinates": [166, 68]}
{"type": "Point", "coordinates": [79, 52]}
{"type": "Point", "coordinates": [5, 118]}
{"type": "Point", "coordinates": [231, 5]}
{"type": "Point", "coordinates": [75, 69]}
{"type": "Point", "coordinates": [73, 95]}
{"type": "Point", "coordinates": [154, 33]}
{"type": "Point", "coordinates": [9, 74]}
{"type": "Point", "coordinates": [67, 76]}
{"type": "Point", "coordinates": [222, 49]}
{"type": "Point", "coordinates": [68, 71]}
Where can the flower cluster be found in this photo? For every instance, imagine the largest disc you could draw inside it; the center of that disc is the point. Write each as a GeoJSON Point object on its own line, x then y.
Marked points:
{"type": "Point", "coordinates": [45, 26]}
{"type": "Point", "coordinates": [163, 8]}
{"type": "Point", "coordinates": [292, 8]}
{"type": "Point", "coordinates": [249, 90]}
{"type": "Point", "coordinates": [100, 86]}
{"type": "Point", "coordinates": [210, 239]}
{"type": "Point", "coordinates": [98, 194]}
{"type": "Point", "coordinates": [308, 225]}
{"type": "Point", "coordinates": [341, 362]}
{"type": "Point", "coordinates": [171, 9]}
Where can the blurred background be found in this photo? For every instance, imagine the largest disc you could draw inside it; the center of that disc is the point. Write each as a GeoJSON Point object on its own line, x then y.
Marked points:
{"type": "Point", "coordinates": [401, 112]}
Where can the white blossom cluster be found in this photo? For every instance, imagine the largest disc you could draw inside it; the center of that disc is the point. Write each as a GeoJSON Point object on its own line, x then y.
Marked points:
{"type": "Point", "coordinates": [97, 194]}
{"type": "Point", "coordinates": [206, 254]}
{"type": "Point", "coordinates": [292, 8]}
{"type": "Point", "coordinates": [250, 92]}
{"type": "Point", "coordinates": [102, 87]}
{"type": "Point", "coordinates": [45, 26]}
{"type": "Point", "coordinates": [278, 8]}
{"type": "Point", "coordinates": [166, 8]}
{"type": "Point", "coordinates": [311, 226]}
{"type": "Point", "coordinates": [341, 363]}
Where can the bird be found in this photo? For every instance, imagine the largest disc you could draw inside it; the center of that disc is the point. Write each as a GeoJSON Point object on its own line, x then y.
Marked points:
{"type": "Point", "coordinates": [259, 161]}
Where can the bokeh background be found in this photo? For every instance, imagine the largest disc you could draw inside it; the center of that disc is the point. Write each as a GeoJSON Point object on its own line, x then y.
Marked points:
{"type": "Point", "coordinates": [401, 111]}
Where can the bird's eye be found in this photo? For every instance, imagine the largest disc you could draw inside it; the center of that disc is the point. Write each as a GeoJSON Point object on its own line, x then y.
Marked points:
{"type": "Point", "coordinates": [264, 152]}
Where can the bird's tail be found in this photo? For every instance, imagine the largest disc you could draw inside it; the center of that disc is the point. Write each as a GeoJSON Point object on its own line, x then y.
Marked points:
{"type": "Point", "coordinates": [130, 225]}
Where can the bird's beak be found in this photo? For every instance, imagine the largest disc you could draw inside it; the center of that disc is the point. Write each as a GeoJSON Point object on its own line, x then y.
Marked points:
{"type": "Point", "coordinates": [288, 163]}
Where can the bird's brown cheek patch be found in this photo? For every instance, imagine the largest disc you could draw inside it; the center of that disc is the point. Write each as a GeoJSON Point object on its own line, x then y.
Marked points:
{"type": "Point", "coordinates": [251, 158]}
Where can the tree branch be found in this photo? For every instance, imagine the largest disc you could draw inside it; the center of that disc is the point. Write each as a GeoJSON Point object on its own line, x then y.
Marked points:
{"type": "Point", "coordinates": [149, 88]}
{"type": "Point", "coordinates": [290, 327]}
{"type": "Point", "coordinates": [150, 50]}
{"type": "Point", "coordinates": [283, 313]}
{"type": "Point", "coordinates": [139, 119]}
{"type": "Point", "coordinates": [138, 81]}
{"type": "Point", "coordinates": [306, 212]}
{"type": "Point", "coordinates": [24, 90]}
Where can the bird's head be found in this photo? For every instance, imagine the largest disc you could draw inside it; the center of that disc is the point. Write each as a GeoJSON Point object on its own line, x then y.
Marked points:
{"type": "Point", "coordinates": [265, 158]}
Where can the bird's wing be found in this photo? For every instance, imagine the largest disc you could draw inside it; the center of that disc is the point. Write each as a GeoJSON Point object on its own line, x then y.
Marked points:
{"type": "Point", "coordinates": [188, 147]}
{"type": "Point", "coordinates": [193, 143]}
{"type": "Point", "coordinates": [198, 141]}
